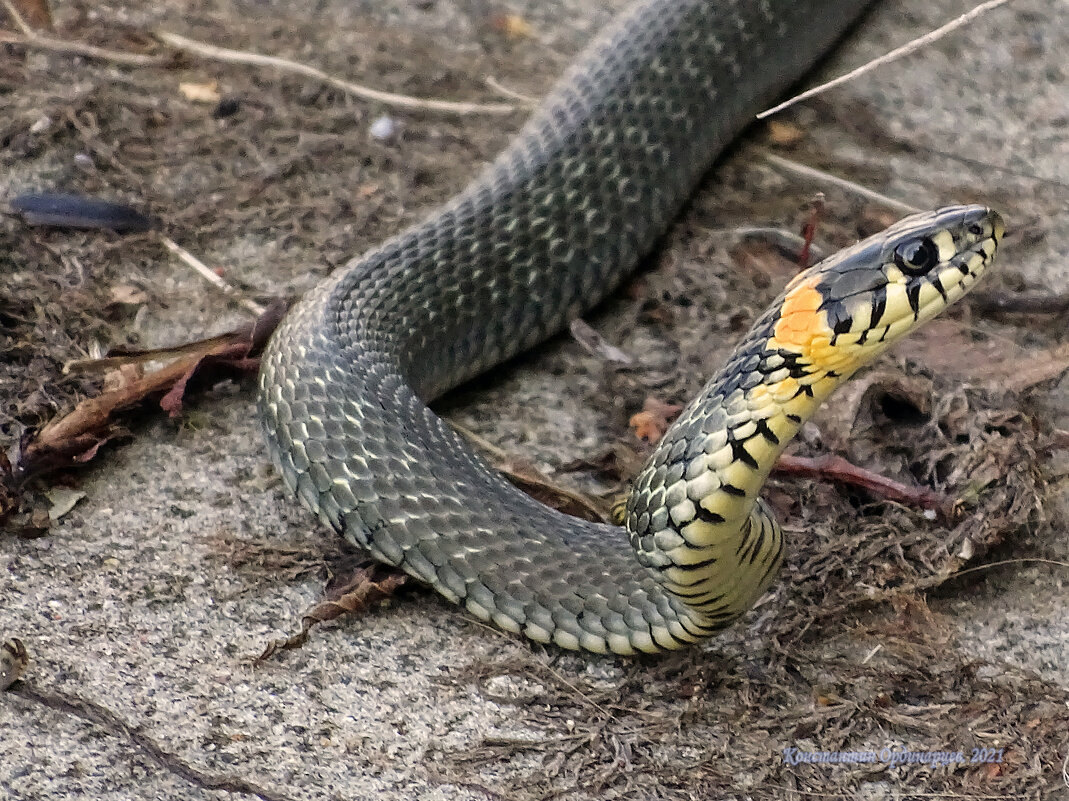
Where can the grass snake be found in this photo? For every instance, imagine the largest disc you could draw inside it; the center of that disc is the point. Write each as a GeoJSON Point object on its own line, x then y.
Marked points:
{"type": "Point", "coordinates": [545, 232]}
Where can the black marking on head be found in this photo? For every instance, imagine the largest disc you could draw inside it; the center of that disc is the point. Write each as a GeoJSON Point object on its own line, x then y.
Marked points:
{"type": "Point", "coordinates": [732, 490]}
{"type": "Point", "coordinates": [794, 418]}
{"type": "Point", "coordinates": [793, 363]}
{"type": "Point", "coordinates": [937, 282]}
{"type": "Point", "coordinates": [879, 306]}
{"type": "Point", "coordinates": [842, 324]}
{"type": "Point", "coordinates": [913, 295]}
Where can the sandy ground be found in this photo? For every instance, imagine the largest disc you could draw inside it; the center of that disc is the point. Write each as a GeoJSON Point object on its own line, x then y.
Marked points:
{"type": "Point", "coordinates": [144, 606]}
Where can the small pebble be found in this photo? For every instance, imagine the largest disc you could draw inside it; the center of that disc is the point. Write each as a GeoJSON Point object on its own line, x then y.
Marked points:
{"type": "Point", "coordinates": [383, 128]}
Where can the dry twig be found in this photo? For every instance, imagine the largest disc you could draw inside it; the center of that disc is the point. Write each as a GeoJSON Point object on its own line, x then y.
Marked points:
{"type": "Point", "coordinates": [505, 91]}
{"type": "Point", "coordinates": [392, 99]}
{"type": "Point", "coordinates": [827, 178]}
{"type": "Point", "coordinates": [28, 37]}
{"type": "Point", "coordinates": [368, 584]}
{"type": "Point", "coordinates": [209, 275]}
{"type": "Point", "coordinates": [899, 52]}
{"type": "Point", "coordinates": [830, 467]}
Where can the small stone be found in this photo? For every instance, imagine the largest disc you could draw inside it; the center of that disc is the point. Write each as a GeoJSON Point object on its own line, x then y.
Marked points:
{"type": "Point", "coordinates": [383, 129]}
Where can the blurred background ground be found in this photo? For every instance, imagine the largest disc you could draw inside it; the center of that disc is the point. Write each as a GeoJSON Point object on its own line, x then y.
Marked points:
{"type": "Point", "coordinates": [144, 605]}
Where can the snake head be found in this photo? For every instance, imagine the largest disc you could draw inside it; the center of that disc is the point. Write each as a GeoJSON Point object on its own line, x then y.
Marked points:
{"type": "Point", "coordinates": [849, 308]}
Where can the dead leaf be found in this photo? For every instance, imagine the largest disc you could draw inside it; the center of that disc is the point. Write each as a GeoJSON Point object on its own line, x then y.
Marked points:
{"type": "Point", "coordinates": [993, 770]}
{"type": "Point", "coordinates": [368, 583]}
{"type": "Point", "coordinates": [62, 501]}
{"type": "Point", "coordinates": [654, 419]}
{"type": "Point", "coordinates": [124, 376]}
{"type": "Point", "coordinates": [552, 493]}
{"type": "Point", "coordinates": [75, 438]}
{"type": "Point", "coordinates": [127, 294]}
{"type": "Point", "coordinates": [785, 134]}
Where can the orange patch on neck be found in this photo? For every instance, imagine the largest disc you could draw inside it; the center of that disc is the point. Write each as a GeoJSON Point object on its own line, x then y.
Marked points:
{"type": "Point", "coordinates": [800, 320]}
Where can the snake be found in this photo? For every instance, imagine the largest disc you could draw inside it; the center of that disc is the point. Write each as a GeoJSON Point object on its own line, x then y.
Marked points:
{"type": "Point", "coordinates": [542, 234]}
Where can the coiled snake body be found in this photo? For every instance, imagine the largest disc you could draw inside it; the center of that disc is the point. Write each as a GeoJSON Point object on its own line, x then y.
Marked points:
{"type": "Point", "coordinates": [546, 232]}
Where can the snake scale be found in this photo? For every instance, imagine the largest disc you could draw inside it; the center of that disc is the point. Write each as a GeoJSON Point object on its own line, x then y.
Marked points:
{"type": "Point", "coordinates": [544, 233]}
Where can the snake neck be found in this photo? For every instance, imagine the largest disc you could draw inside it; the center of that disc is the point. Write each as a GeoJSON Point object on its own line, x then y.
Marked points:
{"type": "Point", "coordinates": [694, 515]}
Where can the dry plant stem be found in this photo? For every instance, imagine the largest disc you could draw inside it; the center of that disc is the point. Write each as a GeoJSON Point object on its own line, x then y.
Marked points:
{"type": "Point", "coordinates": [531, 481]}
{"type": "Point", "coordinates": [111, 723]}
{"type": "Point", "coordinates": [75, 437]}
{"type": "Point", "coordinates": [30, 38]}
{"type": "Point", "coordinates": [391, 99]}
{"type": "Point", "coordinates": [505, 91]}
{"type": "Point", "coordinates": [78, 49]}
{"type": "Point", "coordinates": [88, 415]}
{"type": "Point", "coordinates": [788, 243]}
{"type": "Point", "coordinates": [118, 357]}
{"type": "Point", "coordinates": [894, 55]}
{"type": "Point", "coordinates": [95, 145]}
{"type": "Point", "coordinates": [365, 587]}
{"type": "Point", "coordinates": [16, 17]}
{"type": "Point", "coordinates": [835, 468]}
{"type": "Point", "coordinates": [209, 275]}
{"type": "Point", "coordinates": [849, 186]}
{"type": "Point", "coordinates": [36, 14]}
{"type": "Point", "coordinates": [595, 344]}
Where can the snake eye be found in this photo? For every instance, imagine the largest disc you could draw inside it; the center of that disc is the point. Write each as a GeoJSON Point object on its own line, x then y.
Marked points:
{"type": "Point", "coordinates": [917, 256]}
